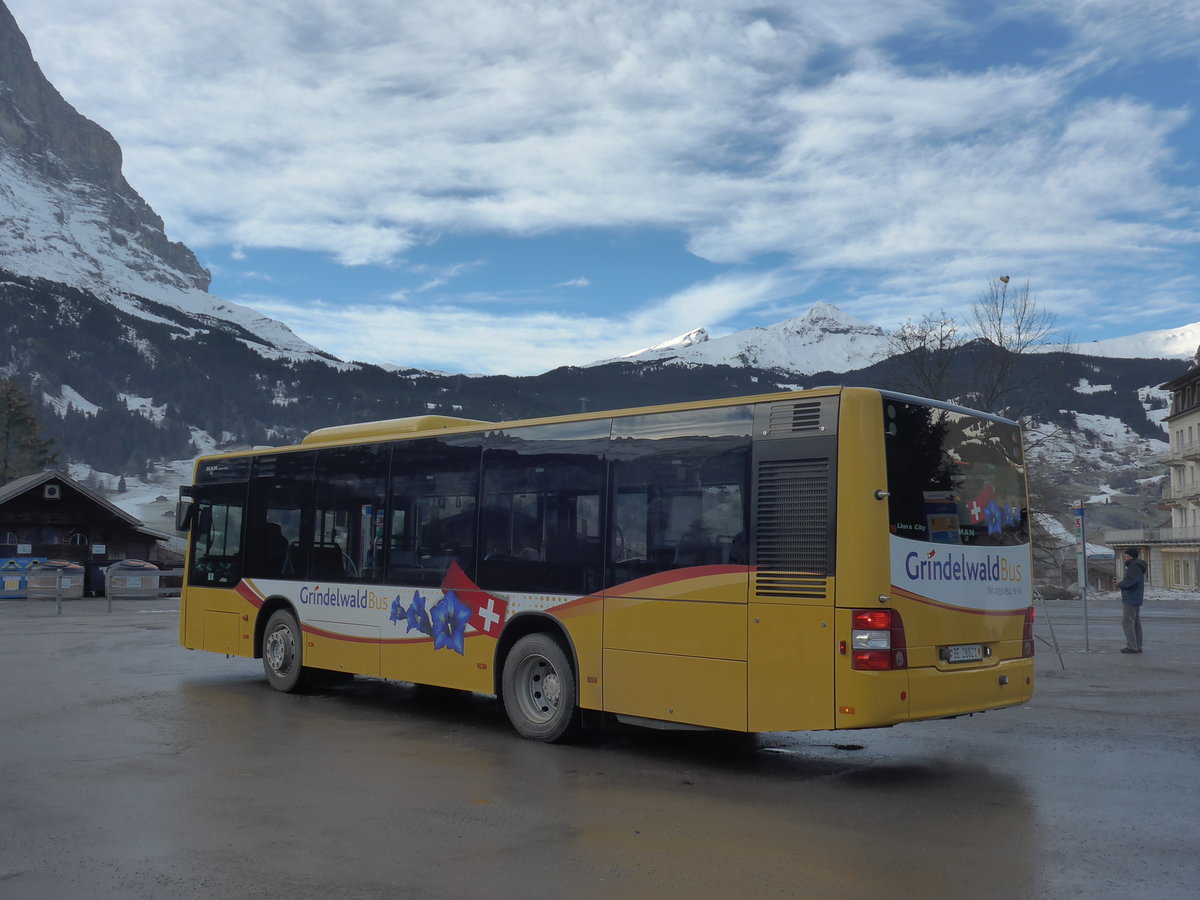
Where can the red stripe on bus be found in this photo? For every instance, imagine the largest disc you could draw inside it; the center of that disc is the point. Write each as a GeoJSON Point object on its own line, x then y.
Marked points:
{"type": "Point", "coordinates": [929, 601]}
{"type": "Point", "coordinates": [673, 575]}
{"type": "Point", "coordinates": [250, 594]}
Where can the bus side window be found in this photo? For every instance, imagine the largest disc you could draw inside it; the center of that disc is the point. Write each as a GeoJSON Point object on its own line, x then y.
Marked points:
{"type": "Point", "coordinates": [541, 514]}
{"type": "Point", "coordinates": [351, 486]}
{"type": "Point", "coordinates": [432, 510]}
{"type": "Point", "coordinates": [679, 493]}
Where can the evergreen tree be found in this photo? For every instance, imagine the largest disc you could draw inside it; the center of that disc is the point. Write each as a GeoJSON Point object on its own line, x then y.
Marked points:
{"type": "Point", "coordinates": [23, 449]}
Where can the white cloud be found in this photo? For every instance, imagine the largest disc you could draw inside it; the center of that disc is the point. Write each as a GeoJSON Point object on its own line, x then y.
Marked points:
{"type": "Point", "coordinates": [1125, 30]}
{"type": "Point", "coordinates": [485, 334]}
{"type": "Point", "coordinates": [453, 338]}
{"type": "Point", "coordinates": [442, 275]}
{"type": "Point", "coordinates": [364, 130]}
{"type": "Point", "coordinates": [354, 129]}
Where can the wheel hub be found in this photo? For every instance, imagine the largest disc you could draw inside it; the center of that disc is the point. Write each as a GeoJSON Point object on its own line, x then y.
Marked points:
{"type": "Point", "coordinates": [551, 688]}
{"type": "Point", "coordinates": [278, 651]}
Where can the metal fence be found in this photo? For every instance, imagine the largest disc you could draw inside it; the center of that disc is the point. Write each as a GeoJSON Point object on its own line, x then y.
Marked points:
{"type": "Point", "coordinates": [60, 586]}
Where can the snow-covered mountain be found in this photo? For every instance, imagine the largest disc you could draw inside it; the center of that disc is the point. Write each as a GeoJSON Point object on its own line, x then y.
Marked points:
{"type": "Point", "coordinates": [827, 339]}
{"type": "Point", "coordinates": [1170, 343]}
{"type": "Point", "coordinates": [67, 214]}
{"type": "Point", "coordinates": [824, 339]}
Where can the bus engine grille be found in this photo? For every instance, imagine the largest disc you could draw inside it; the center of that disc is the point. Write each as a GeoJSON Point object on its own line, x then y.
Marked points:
{"type": "Point", "coordinates": [793, 533]}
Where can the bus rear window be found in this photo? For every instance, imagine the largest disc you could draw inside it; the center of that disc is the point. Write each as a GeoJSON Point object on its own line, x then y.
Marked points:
{"type": "Point", "coordinates": [954, 478]}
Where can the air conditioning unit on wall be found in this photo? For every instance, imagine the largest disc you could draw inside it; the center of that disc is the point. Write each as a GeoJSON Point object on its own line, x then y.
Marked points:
{"type": "Point", "coordinates": [52, 492]}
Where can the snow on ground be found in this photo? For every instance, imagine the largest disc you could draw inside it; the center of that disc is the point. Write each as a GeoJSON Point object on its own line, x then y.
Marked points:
{"type": "Point", "coordinates": [145, 406]}
{"type": "Point", "coordinates": [1108, 428]}
{"type": "Point", "coordinates": [1166, 598]}
{"type": "Point", "coordinates": [1063, 536]}
{"type": "Point", "coordinates": [1085, 388]}
{"type": "Point", "coordinates": [1157, 404]}
{"type": "Point", "coordinates": [1107, 492]}
{"type": "Point", "coordinates": [1112, 444]}
{"type": "Point", "coordinates": [150, 500]}
{"type": "Point", "coordinates": [70, 398]}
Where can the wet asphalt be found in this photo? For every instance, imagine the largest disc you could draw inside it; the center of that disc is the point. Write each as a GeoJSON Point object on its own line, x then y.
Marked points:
{"type": "Point", "coordinates": [135, 768]}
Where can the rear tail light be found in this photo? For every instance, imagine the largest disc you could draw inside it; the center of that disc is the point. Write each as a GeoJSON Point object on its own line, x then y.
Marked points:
{"type": "Point", "coordinates": [877, 640]}
{"type": "Point", "coordinates": [1027, 635]}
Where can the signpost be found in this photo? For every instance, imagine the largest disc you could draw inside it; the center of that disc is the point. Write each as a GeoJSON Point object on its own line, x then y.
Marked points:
{"type": "Point", "coordinates": [1081, 568]}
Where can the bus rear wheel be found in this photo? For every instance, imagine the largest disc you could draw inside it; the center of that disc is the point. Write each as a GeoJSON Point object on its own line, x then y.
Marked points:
{"type": "Point", "coordinates": [283, 655]}
{"type": "Point", "coordinates": [539, 689]}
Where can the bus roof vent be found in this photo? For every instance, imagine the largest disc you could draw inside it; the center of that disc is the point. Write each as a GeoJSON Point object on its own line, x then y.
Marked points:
{"type": "Point", "coordinates": [797, 417]}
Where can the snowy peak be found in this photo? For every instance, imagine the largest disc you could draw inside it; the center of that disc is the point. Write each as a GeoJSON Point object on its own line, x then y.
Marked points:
{"type": "Point", "coordinates": [691, 339]}
{"type": "Point", "coordinates": [827, 339]}
{"type": "Point", "coordinates": [824, 339]}
{"type": "Point", "coordinates": [69, 217]}
{"type": "Point", "coordinates": [827, 317]}
{"type": "Point", "coordinates": [67, 212]}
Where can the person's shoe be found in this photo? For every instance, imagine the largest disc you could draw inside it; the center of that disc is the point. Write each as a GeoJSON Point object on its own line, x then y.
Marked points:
{"type": "Point", "coordinates": [1129, 650]}
{"type": "Point", "coordinates": [1138, 650]}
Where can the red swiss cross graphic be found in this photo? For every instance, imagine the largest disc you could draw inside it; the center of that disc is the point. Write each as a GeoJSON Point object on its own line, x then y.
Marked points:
{"type": "Point", "coordinates": [488, 612]}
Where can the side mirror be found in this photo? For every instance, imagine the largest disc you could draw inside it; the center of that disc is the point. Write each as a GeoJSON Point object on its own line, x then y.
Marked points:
{"type": "Point", "coordinates": [184, 508]}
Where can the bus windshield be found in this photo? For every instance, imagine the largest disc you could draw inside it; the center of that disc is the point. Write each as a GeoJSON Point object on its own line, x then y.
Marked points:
{"type": "Point", "coordinates": [954, 478]}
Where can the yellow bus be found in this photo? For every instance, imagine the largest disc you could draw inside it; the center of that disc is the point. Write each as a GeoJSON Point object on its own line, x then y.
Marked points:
{"type": "Point", "coordinates": [834, 558]}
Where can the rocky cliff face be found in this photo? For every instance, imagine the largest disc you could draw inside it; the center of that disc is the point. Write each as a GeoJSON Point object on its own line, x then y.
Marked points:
{"type": "Point", "coordinates": [66, 211]}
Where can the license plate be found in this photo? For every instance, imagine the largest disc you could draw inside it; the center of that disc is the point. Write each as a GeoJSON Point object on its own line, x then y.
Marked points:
{"type": "Point", "coordinates": [961, 653]}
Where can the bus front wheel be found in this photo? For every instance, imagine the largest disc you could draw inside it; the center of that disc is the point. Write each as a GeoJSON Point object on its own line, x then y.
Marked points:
{"type": "Point", "coordinates": [539, 689]}
{"type": "Point", "coordinates": [282, 652]}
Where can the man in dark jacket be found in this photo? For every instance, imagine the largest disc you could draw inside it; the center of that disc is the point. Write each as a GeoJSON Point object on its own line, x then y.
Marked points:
{"type": "Point", "coordinates": [1133, 588]}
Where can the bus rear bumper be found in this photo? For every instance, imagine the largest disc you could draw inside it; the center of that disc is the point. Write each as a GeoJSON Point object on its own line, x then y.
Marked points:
{"type": "Point", "coordinates": [879, 699]}
{"type": "Point", "coordinates": [937, 693]}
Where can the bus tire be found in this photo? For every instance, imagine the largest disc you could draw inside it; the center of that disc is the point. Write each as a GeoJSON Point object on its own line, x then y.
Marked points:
{"type": "Point", "coordinates": [283, 653]}
{"type": "Point", "coordinates": [539, 689]}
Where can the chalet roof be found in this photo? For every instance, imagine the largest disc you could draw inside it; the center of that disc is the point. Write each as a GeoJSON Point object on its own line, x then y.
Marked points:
{"type": "Point", "coordinates": [23, 485]}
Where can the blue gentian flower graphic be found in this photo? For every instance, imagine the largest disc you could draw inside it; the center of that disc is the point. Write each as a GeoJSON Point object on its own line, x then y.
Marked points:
{"type": "Point", "coordinates": [994, 517]}
{"type": "Point", "coordinates": [418, 618]}
{"type": "Point", "coordinates": [398, 611]}
{"type": "Point", "coordinates": [450, 617]}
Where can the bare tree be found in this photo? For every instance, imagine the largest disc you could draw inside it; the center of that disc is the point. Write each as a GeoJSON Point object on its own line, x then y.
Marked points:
{"type": "Point", "coordinates": [1050, 455]}
{"type": "Point", "coordinates": [1009, 323]}
{"type": "Point", "coordinates": [925, 351]}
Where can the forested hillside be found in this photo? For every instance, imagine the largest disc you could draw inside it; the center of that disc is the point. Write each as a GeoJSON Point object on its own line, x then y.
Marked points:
{"type": "Point", "coordinates": [149, 375]}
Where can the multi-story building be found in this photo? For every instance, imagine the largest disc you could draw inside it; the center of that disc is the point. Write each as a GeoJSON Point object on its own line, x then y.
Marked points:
{"type": "Point", "coordinates": [1173, 552]}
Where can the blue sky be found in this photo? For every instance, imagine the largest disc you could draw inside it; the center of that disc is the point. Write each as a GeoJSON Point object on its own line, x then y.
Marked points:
{"type": "Point", "coordinates": [493, 186]}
